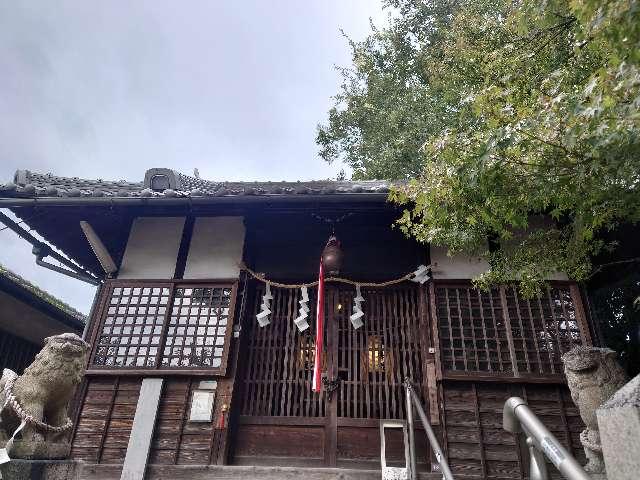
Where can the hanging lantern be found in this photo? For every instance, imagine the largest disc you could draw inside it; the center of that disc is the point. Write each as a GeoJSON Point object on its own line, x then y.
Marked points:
{"type": "Point", "coordinates": [332, 256]}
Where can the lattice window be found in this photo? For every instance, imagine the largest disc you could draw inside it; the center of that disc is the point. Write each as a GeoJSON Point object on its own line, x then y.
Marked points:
{"type": "Point", "coordinates": [498, 332]}
{"type": "Point", "coordinates": [164, 326]}
{"type": "Point", "coordinates": [197, 327]}
{"type": "Point", "coordinates": [473, 334]}
{"type": "Point", "coordinates": [131, 330]}
{"type": "Point", "coordinates": [543, 328]}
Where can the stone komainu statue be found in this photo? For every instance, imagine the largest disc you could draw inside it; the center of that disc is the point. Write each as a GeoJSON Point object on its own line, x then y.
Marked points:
{"type": "Point", "coordinates": [593, 376]}
{"type": "Point", "coordinates": [41, 397]}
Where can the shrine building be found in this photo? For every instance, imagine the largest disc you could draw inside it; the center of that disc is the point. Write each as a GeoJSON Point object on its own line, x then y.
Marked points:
{"type": "Point", "coordinates": [203, 329]}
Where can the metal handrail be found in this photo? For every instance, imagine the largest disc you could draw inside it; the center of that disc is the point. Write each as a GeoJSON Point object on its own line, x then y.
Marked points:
{"type": "Point", "coordinates": [517, 417]}
{"type": "Point", "coordinates": [412, 400]}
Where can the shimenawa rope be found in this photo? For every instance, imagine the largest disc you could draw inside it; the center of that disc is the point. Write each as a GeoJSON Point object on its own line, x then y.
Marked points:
{"type": "Point", "coordinates": [12, 401]}
{"type": "Point", "coordinates": [261, 278]}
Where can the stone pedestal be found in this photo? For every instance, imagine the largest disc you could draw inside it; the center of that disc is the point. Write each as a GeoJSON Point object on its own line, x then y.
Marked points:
{"type": "Point", "coordinates": [619, 422]}
{"type": "Point", "coordinates": [38, 470]}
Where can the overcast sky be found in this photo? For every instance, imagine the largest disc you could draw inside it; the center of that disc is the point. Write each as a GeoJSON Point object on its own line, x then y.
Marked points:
{"type": "Point", "coordinates": [109, 89]}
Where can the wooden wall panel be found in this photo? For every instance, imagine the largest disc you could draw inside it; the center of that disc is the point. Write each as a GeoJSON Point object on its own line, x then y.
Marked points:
{"type": "Point", "coordinates": [304, 445]}
{"type": "Point", "coordinates": [114, 395]}
{"type": "Point", "coordinates": [476, 443]}
{"type": "Point", "coordinates": [105, 419]}
{"type": "Point", "coordinates": [280, 441]}
{"type": "Point", "coordinates": [360, 446]}
{"type": "Point", "coordinates": [107, 414]}
{"type": "Point", "coordinates": [169, 422]}
{"type": "Point", "coordinates": [176, 440]}
{"type": "Point", "coordinates": [357, 443]}
{"type": "Point", "coordinates": [16, 353]}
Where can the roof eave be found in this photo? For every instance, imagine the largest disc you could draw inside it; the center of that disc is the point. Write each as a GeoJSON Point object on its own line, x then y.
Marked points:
{"type": "Point", "coordinates": [29, 297]}
{"type": "Point", "coordinates": [192, 200]}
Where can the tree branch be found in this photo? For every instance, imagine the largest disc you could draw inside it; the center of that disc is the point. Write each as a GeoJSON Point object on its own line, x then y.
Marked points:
{"type": "Point", "coordinates": [610, 264]}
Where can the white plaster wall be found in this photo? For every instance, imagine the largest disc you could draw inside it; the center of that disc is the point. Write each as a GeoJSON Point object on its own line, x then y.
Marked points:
{"type": "Point", "coordinates": [464, 267]}
{"type": "Point", "coordinates": [558, 276]}
{"type": "Point", "coordinates": [216, 248]}
{"type": "Point", "coordinates": [152, 248]}
{"type": "Point", "coordinates": [456, 266]}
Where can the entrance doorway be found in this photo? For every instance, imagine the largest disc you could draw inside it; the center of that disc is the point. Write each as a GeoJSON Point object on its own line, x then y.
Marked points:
{"type": "Point", "coordinates": [283, 421]}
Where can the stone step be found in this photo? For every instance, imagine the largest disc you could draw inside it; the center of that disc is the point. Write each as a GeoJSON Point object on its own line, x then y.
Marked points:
{"type": "Point", "coordinates": [228, 472]}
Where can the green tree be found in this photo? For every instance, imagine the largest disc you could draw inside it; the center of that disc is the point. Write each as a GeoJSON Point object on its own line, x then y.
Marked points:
{"type": "Point", "coordinates": [495, 112]}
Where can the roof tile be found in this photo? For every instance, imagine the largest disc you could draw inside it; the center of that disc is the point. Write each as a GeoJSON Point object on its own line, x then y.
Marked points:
{"type": "Point", "coordinates": [32, 184]}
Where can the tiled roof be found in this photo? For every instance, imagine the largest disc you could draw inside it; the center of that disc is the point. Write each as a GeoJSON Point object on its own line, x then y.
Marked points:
{"type": "Point", "coordinates": [27, 184]}
{"type": "Point", "coordinates": [38, 292]}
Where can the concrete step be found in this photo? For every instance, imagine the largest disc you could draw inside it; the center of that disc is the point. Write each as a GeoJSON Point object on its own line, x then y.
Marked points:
{"type": "Point", "coordinates": [228, 472]}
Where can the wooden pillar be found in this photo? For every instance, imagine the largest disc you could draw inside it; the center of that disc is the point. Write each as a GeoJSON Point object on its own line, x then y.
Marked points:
{"type": "Point", "coordinates": [331, 429]}
{"type": "Point", "coordinates": [135, 462]}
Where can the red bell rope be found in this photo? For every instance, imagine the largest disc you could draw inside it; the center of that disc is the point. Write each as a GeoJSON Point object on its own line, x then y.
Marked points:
{"type": "Point", "coordinates": [317, 369]}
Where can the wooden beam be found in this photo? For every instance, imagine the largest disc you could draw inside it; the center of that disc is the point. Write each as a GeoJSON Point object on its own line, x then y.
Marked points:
{"type": "Point", "coordinates": [507, 324]}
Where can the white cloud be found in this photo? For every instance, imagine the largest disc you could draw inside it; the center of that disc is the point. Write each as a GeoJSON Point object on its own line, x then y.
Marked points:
{"type": "Point", "coordinates": [109, 89]}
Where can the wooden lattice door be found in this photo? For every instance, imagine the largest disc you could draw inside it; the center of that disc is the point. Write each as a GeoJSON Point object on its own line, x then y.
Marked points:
{"type": "Point", "coordinates": [370, 364]}
{"type": "Point", "coordinates": [366, 365]}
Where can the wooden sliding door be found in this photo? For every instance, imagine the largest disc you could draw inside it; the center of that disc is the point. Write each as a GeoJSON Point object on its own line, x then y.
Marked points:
{"type": "Point", "coordinates": [370, 365]}
{"type": "Point", "coordinates": [283, 421]}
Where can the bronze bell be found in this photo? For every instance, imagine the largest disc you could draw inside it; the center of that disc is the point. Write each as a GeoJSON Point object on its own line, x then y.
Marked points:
{"type": "Point", "coordinates": [332, 256]}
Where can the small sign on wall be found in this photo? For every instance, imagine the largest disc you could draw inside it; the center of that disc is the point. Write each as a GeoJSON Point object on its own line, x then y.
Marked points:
{"type": "Point", "coordinates": [202, 405]}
